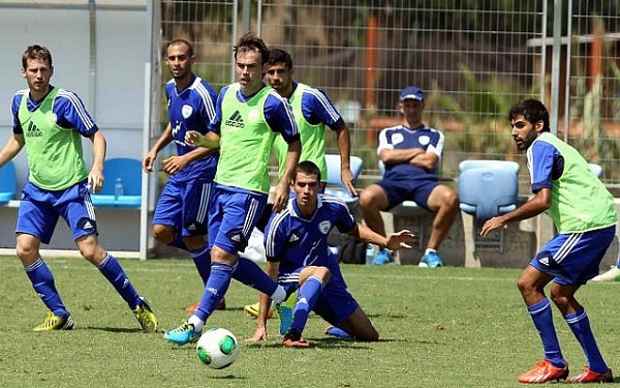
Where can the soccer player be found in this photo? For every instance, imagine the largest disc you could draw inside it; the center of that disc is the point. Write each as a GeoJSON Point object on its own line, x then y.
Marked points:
{"type": "Point", "coordinates": [583, 212]}
{"type": "Point", "coordinates": [411, 153]}
{"type": "Point", "coordinates": [297, 254]}
{"type": "Point", "coordinates": [313, 111]}
{"type": "Point", "coordinates": [248, 116]}
{"type": "Point", "coordinates": [49, 121]}
{"type": "Point", "coordinates": [181, 213]}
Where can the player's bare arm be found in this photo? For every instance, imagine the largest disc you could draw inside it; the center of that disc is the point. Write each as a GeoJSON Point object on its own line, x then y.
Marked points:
{"type": "Point", "coordinates": [264, 304]}
{"type": "Point", "coordinates": [399, 156]}
{"type": "Point", "coordinates": [344, 147]}
{"type": "Point", "coordinates": [209, 140]}
{"type": "Point", "coordinates": [426, 160]}
{"type": "Point", "coordinates": [393, 241]}
{"type": "Point", "coordinates": [176, 163]}
{"type": "Point", "coordinates": [164, 139]}
{"type": "Point", "coordinates": [282, 189]}
{"type": "Point", "coordinates": [95, 177]}
{"type": "Point", "coordinates": [11, 148]}
{"type": "Point", "coordinates": [534, 206]}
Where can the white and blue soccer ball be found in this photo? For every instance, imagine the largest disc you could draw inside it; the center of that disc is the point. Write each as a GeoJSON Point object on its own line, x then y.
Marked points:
{"type": "Point", "coordinates": [217, 348]}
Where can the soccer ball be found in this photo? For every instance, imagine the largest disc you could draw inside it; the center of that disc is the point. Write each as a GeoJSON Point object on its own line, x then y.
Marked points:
{"type": "Point", "coordinates": [217, 348]}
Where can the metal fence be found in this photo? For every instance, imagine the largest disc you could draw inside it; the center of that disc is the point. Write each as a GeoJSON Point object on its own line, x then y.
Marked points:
{"type": "Point", "coordinates": [474, 59]}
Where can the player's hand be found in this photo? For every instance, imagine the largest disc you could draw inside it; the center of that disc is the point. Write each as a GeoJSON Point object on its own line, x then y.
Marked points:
{"type": "Point", "coordinates": [148, 161]}
{"type": "Point", "coordinates": [174, 164]}
{"type": "Point", "coordinates": [95, 179]}
{"type": "Point", "coordinates": [402, 239]}
{"type": "Point", "coordinates": [492, 224]}
{"type": "Point", "coordinates": [346, 176]}
{"type": "Point", "coordinates": [280, 197]}
{"type": "Point", "coordinates": [259, 335]}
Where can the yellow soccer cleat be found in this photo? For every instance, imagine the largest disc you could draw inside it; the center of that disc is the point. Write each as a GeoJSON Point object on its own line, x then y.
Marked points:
{"type": "Point", "coordinates": [145, 316]}
{"type": "Point", "coordinates": [54, 322]}
{"type": "Point", "coordinates": [252, 310]}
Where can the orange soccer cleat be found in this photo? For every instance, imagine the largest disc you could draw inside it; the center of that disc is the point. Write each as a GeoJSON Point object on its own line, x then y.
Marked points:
{"type": "Point", "coordinates": [543, 372]}
{"type": "Point", "coordinates": [590, 376]}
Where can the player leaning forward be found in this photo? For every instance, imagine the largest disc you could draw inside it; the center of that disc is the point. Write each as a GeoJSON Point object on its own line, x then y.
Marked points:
{"type": "Point", "coordinates": [49, 122]}
{"type": "Point", "coordinates": [583, 212]}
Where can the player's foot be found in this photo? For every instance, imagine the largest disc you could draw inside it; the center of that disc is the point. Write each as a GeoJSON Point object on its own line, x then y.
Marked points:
{"type": "Point", "coordinates": [285, 313]}
{"type": "Point", "coordinates": [612, 275]}
{"type": "Point", "coordinates": [382, 257]}
{"type": "Point", "coordinates": [338, 333]}
{"type": "Point", "coordinates": [145, 316]}
{"type": "Point", "coordinates": [294, 340]}
{"type": "Point", "coordinates": [431, 260]}
{"type": "Point", "coordinates": [252, 310]}
{"type": "Point", "coordinates": [590, 376]}
{"type": "Point", "coordinates": [183, 334]}
{"type": "Point", "coordinates": [54, 322]}
{"type": "Point", "coordinates": [543, 372]}
{"type": "Point", "coordinates": [221, 305]}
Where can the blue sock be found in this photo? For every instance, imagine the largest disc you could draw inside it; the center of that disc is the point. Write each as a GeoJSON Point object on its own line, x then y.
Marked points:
{"type": "Point", "coordinates": [202, 260]}
{"type": "Point", "coordinates": [43, 283]}
{"type": "Point", "coordinates": [580, 325]}
{"type": "Point", "coordinates": [250, 274]}
{"type": "Point", "coordinates": [543, 320]}
{"type": "Point", "coordinates": [308, 295]}
{"type": "Point", "coordinates": [215, 289]}
{"type": "Point", "coordinates": [112, 270]}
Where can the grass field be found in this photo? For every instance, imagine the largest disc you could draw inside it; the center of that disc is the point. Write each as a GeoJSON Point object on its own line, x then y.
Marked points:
{"type": "Point", "coordinates": [451, 327]}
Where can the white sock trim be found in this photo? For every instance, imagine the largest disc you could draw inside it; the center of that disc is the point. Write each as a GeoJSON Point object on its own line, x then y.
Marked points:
{"type": "Point", "coordinates": [279, 295]}
{"type": "Point", "coordinates": [197, 322]}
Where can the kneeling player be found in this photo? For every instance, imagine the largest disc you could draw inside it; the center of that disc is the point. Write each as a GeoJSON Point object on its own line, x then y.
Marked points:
{"type": "Point", "coordinates": [297, 254]}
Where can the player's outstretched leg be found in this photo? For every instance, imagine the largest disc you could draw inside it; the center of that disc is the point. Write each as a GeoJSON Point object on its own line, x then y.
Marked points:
{"type": "Point", "coordinates": [111, 269]}
{"type": "Point", "coordinates": [42, 279]}
{"type": "Point", "coordinates": [356, 326]}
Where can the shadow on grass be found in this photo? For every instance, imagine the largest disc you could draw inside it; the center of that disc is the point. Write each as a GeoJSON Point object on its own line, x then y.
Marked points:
{"type": "Point", "coordinates": [388, 316]}
{"type": "Point", "coordinates": [227, 377]}
{"type": "Point", "coordinates": [113, 329]}
{"type": "Point", "coordinates": [317, 343]}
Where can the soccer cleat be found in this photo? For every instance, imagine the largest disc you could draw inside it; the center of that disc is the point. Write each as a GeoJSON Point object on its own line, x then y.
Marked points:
{"type": "Point", "coordinates": [252, 310]}
{"type": "Point", "coordinates": [382, 257]}
{"type": "Point", "coordinates": [431, 260]}
{"type": "Point", "coordinates": [54, 322]}
{"type": "Point", "coordinates": [543, 372]}
{"type": "Point", "coordinates": [610, 276]}
{"type": "Point", "coordinates": [337, 332]}
{"type": "Point", "coordinates": [145, 316]}
{"type": "Point", "coordinates": [294, 340]}
{"type": "Point", "coordinates": [590, 376]}
{"type": "Point", "coordinates": [183, 334]}
{"type": "Point", "coordinates": [285, 313]}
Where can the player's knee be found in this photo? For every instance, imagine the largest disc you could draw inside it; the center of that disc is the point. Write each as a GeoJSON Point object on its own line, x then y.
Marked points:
{"type": "Point", "coordinates": [560, 300]}
{"type": "Point", "coordinates": [451, 199]}
{"type": "Point", "coordinates": [163, 233]}
{"type": "Point", "coordinates": [367, 200]}
{"type": "Point", "coordinates": [323, 273]}
{"type": "Point", "coordinates": [25, 252]}
{"type": "Point", "coordinates": [525, 286]}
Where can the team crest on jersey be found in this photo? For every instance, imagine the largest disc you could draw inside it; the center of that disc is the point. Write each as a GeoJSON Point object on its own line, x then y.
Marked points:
{"type": "Point", "coordinates": [253, 115]}
{"type": "Point", "coordinates": [186, 111]}
{"type": "Point", "coordinates": [424, 140]}
{"type": "Point", "coordinates": [325, 226]}
{"type": "Point", "coordinates": [397, 138]}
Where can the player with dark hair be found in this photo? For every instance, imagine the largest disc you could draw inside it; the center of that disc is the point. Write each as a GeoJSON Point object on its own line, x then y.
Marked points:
{"type": "Point", "coordinates": [248, 116]}
{"type": "Point", "coordinates": [584, 214]}
{"type": "Point", "coordinates": [49, 121]}
{"type": "Point", "coordinates": [297, 254]}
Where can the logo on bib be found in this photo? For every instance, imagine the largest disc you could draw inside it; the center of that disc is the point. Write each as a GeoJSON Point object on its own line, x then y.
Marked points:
{"type": "Point", "coordinates": [235, 120]}
{"type": "Point", "coordinates": [186, 111]}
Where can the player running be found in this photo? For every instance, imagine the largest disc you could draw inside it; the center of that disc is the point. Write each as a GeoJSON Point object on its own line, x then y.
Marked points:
{"type": "Point", "coordinates": [583, 212]}
{"type": "Point", "coordinates": [297, 254]}
{"type": "Point", "coordinates": [249, 115]}
{"type": "Point", "coordinates": [49, 121]}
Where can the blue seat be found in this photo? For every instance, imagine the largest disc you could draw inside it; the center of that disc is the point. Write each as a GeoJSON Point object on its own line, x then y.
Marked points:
{"type": "Point", "coordinates": [335, 187]}
{"type": "Point", "coordinates": [8, 183]}
{"type": "Point", "coordinates": [488, 188]}
{"type": "Point", "coordinates": [130, 173]}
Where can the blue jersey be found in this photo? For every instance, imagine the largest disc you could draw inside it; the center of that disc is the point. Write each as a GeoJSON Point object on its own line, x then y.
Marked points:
{"type": "Point", "coordinates": [545, 164]}
{"type": "Point", "coordinates": [317, 108]}
{"type": "Point", "coordinates": [297, 242]}
{"type": "Point", "coordinates": [68, 107]}
{"type": "Point", "coordinates": [191, 109]}
{"type": "Point", "coordinates": [402, 137]}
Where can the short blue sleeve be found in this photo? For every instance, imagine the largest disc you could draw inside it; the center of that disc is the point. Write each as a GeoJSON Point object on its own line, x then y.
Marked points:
{"type": "Point", "coordinates": [275, 236]}
{"type": "Point", "coordinates": [343, 219]}
{"type": "Point", "coordinates": [216, 121]}
{"type": "Point", "coordinates": [71, 113]}
{"type": "Point", "coordinates": [542, 159]}
{"type": "Point", "coordinates": [17, 100]}
{"type": "Point", "coordinates": [209, 100]}
{"type": "Point", "coordinates": [318, 108]}
{"type": "Point", "coordinates": [280, 118]}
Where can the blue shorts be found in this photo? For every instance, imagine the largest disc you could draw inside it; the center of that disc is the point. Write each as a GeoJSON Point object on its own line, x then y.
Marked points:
{"type": "Point", "coordinates": [573, 259]}
{"type": "Point", "coordinates": [184, 206]}
{"type": "Point", "coordinates": [233, 214]}
{"type": "Point", "coordinates": [417, 190]}
{"type": "Point", "coordinates": [335, 304]}
{"type": "Point", "coordinates": [39, 211]}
